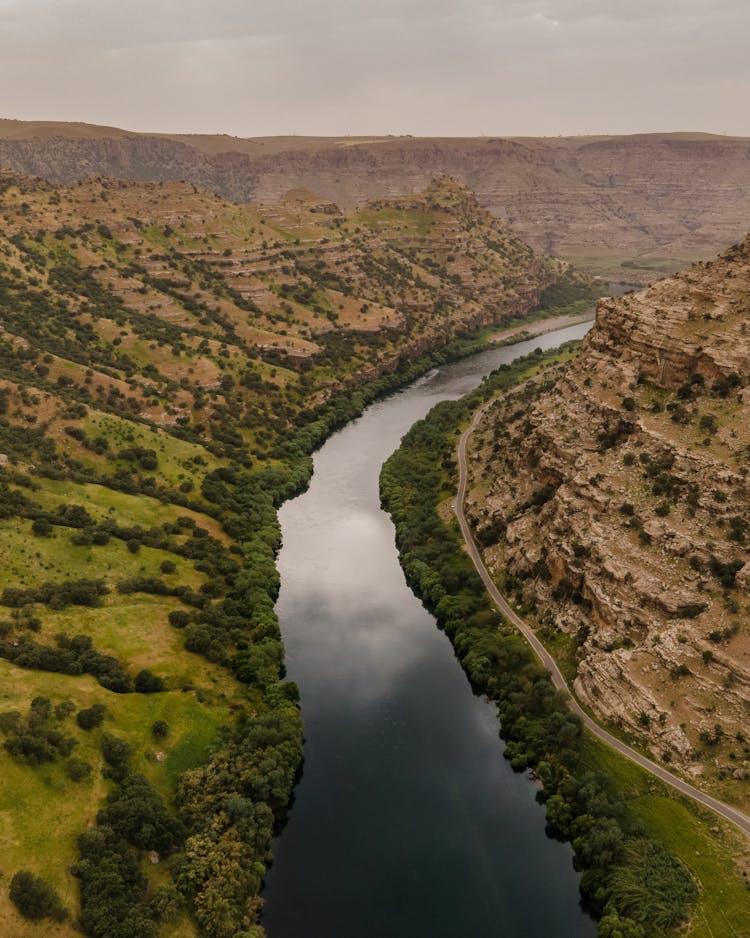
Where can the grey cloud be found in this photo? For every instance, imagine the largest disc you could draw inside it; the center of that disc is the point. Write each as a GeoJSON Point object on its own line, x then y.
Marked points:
{"type": "Point", "coordinates": [379, 66]}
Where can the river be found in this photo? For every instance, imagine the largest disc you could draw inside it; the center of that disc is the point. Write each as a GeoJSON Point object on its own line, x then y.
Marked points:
{"type": "Point", "coordinates": [407, 822]}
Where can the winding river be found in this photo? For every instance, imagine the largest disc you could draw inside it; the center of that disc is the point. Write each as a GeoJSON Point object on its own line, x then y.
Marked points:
{"type": "Point", "coordinates": [407, 822]}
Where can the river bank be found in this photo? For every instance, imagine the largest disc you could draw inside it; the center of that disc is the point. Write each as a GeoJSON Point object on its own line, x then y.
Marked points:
{"type": "Point", "coordinates": [415, 484]}
{"type": "Point", "coordinates": [406, 819]}
{"type": "Point", "coordinates": [539, 327]}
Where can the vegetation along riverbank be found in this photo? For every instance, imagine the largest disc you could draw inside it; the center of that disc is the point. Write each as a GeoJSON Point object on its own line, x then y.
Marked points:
{"type": "Point", "coordinates": [650, 863]}
{"type": "Point", "coordinates": [168, 362]}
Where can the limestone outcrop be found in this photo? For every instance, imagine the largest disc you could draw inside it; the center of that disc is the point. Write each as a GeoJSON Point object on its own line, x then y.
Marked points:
{"type": "Point", "coordinates": [614, 503]}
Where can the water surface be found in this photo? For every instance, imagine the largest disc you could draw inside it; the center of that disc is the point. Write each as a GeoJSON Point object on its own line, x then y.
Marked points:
{"type": "Point", "coordinates": [408, 822]}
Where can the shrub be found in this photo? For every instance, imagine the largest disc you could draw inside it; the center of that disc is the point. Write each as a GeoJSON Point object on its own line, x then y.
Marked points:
{"type": "Point", "coordinates": [41, 528]}
{"type": "Point", "coordinates": [654, 888]}
{"type": "Point", "coordinates": [708, 423]}
{"type": "Point", "coordinates": [116, 751]}
{"type": "Point", "coordinates": [64, 709]}
{"type": "Point", "coordinates": [179, 618]}
{"type": "Point", "coordinates": [77, 770]}
{"type": "Point", "coordinates": [160, 729]}
{"type": "Point", "coordinates": [148, 683]}
{"type": "Point", "coordinates": [91, 717]}
{"type": "Point", "coordinates": [35, 898]}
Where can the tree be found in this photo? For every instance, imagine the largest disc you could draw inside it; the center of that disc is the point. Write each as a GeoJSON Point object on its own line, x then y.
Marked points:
{"type": "Point", "coordinates": [77, 770]}
{"type": "Point", "coordinates": [136, 812]}
{"type": "Point", "coordinates": [35, 898]}
{"type": "Point", "coordinates": [41, 528]}
{"type": "Point", "coordinates": [91, 717]}
{"type": "Point", "coordinates": [148, 683]}
{"type": "Point", "coordinates": [612, 926]}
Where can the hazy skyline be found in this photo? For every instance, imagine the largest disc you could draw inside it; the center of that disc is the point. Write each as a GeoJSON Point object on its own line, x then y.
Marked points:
{"type": "Point", "coordinates": [426, 67]}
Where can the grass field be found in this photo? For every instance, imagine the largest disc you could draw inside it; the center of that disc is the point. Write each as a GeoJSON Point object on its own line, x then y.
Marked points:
{"type": "Point", "coordinates": [41, 804]}
{"type": "Point", "coordinates": [37, 803]}
{"type": "Point", "coordinates": [716, 854]}
{"type": "Point", "coordinates": [102, 502]}
{"type": "Point", "coordinates": [30, 560]}
{"type": "Point", "coordinates": [176, 458]}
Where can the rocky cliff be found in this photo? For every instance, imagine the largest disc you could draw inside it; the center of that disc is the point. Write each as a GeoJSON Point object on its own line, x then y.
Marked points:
{"type": "Point", "coordinates": [644, 200]}
{"type": "Point", "coordinates": [616, 507]}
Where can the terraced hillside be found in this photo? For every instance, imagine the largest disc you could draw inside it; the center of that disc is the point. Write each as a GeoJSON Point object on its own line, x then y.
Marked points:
{"type": "Point", "coordinates": [616, 508]}
{"type": "Point", "coordinates": [167, 362]}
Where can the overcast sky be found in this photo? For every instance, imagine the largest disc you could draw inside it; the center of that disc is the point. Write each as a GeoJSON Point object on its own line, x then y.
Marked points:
{"type": "Point", "coordinates": [427, 67]}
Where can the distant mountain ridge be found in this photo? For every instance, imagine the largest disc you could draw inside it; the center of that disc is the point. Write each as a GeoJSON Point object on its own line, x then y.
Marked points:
{"type": "Point", "coordinates": [649, 200]}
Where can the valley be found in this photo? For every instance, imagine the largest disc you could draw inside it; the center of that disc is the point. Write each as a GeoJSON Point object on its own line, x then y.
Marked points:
{"type": "Point", "coordinates": [171, 358]}
{"type": "Point", "coordinates": [169, 361]}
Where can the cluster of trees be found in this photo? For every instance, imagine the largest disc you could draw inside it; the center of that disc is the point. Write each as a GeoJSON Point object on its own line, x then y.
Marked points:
{"type": "Point", "coordinates": [12, 502]}
{"type": "Point", "coordinates": [144, 457]}
{"type": "Point", "coordinates": [35, 898]}
{"type": "Point", "coordinates": [37, 738]}
{"type": "Point", "coordinates": [83, 592]}
{"type": "Point", "coordinates": [231, 808]}
{"type": "Point", "coordinates": [630, 881]}
{"type": "Point", "coordinates": [568, 289]}
{"type": "Point", "coordinates": [228, 810]}
{"type": "Point", "coordinates": [77, 655]}
{"type": "Point", "coordinates": [134, 818]}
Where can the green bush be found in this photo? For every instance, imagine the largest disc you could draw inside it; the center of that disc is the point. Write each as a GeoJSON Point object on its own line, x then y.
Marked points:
{"type": "Point", "coordinates": [91, 717]}
{"type": "Point", "coordinates": [148, 683]}
{"type": "Point", "coordinates": [77, 770]}
{"type": "Point", "coordinates": [35, 898]}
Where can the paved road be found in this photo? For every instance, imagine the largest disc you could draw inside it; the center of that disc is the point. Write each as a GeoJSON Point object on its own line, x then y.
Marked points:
{"type": "Point", "coordinates": [724, 810]}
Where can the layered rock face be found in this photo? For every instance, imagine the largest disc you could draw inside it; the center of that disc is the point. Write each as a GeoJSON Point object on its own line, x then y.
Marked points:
{"type": "Point", "coordinates": [618, 503]}
{"type": "Point", "coordinates": [639, 197]}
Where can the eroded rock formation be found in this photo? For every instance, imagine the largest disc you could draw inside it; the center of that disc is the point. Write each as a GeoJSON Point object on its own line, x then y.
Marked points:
{"type": "Point", "coordinates": [617, 501]}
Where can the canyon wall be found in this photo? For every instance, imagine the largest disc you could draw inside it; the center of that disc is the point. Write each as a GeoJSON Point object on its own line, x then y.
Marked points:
{"type": "Point", "coordinates": [648, 200]}
{"type": "Point", "coordinates": [616, 498]}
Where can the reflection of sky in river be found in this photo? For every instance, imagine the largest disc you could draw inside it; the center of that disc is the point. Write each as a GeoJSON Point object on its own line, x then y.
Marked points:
{"type": "Point", "coordinates": [339, 571]}
{"type": "Point", "coordinates": [407, 821]}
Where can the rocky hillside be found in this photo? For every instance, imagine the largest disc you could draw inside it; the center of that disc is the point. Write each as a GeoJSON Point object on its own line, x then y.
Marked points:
{"type": "Point", "coordinates": [617, 510]}
{"type": "Point", "coordinates": [647, 201]}
{"type": "Point", "coordinates": [217, 320]}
